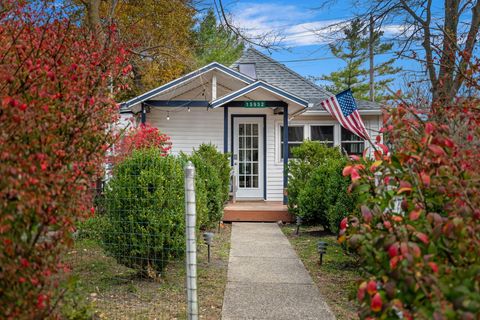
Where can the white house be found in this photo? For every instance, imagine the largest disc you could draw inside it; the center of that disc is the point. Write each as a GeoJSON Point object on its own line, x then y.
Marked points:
{"type": "Point", "coordinates": [242, 109]}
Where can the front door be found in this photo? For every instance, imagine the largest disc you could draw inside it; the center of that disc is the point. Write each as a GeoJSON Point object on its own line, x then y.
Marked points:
{"type": "Point", "coordinates": [249, 157]}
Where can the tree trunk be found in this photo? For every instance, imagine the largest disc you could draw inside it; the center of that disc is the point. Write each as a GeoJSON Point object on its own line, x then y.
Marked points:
{"type": "Point", "coordinates": [449, 52]}
{"type": "Point", "coordinates": [371, 42]}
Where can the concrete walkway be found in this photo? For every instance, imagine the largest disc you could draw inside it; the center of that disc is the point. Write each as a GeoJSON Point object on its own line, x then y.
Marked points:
{"type": "Point", "coordinates": [267, 280]}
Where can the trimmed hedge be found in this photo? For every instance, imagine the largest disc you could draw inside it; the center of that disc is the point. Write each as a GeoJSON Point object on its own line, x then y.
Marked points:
{"type": "Point", "coordinates": [317, 191]}
{"type": "Point", "coordinates": [144, 209]}
{"type": "Point", "coordinates": [143, 227]}
{"type": "Point", "coordinates": [213, 171]}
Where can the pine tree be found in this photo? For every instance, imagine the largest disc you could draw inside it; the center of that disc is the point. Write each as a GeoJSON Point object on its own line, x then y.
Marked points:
{"type": "Point", "coordinates": [215, 42]}
{"type": "Point", "coordinates": [353, 50]}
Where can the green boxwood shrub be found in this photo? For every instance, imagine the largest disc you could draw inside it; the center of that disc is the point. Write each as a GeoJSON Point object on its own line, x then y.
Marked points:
{"type": "Point", "coordinates": [142, 226]}
{"type": "Point", "coordinates": [317, 190]}
{"type": "Point", "coordinates": [213, 172]}
{"type": "Point", "coordinates": [144, 211]}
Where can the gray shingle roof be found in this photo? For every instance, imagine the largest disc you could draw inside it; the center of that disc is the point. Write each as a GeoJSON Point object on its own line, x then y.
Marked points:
{"type": "Point", "coordinates": [279, 75]}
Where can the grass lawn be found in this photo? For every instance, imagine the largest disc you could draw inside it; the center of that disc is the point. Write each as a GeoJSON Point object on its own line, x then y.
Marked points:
{"type": "Point", "coordinates": [116, 292]}
{"type": "Point", "coordinates": [338, 273]}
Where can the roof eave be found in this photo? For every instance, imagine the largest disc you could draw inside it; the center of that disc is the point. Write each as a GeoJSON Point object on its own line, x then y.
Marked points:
{"type": "Point", "coordinates": [254, 86]}
{"type": "Point", "coordinates": [174, 83]}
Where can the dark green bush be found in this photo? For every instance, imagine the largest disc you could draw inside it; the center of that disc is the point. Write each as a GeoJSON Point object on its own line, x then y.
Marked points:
{"type": "Point", "coordinates": [91, 228]}
{"type": "Point", "coordinates": [144, 211]}
{"type": "Point", "coordinates": [213, 171]}
{"type": "Point", "coordinates": [317, 191]}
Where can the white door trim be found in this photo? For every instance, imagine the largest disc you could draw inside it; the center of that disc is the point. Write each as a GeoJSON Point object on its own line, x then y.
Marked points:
{"type": "Point", "coordinates": [248, 155]}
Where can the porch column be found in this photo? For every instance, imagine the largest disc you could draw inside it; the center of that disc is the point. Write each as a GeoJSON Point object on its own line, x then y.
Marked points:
{"type": "Point", "coordinates": [225, 129]}
{"type": "Point", "coordinates": [144, 114]}
{"type": "Point", "coordinates": [285, 153]}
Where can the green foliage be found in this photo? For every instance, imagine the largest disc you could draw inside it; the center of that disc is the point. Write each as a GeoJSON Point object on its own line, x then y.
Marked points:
{"type": "Point", "coordinates": [417, 233]}
{"type": "Point", "coordinates": [353, 50]}
{"type": "Point", "coordinates": [317, 191]}
{"type": "Point", "coordinates": [215, 42]}
{"type": "Point", "coordinates": [143, 224]}
{"type": "Point", "coordinates": [144, 208]}
{"type": "Point", "coordinates": [213, 172]}
{"type": "Point", "coordinates": [91, 228]}
{"type": "Point", "coordinates": [74, 305]}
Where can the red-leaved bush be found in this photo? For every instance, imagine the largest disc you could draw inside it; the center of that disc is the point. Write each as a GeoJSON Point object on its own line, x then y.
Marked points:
{"type": "Point", "coordinates": [142, 137]}
{"type": "Point", "coordinates": [418, 232]}
{"type": "Point", "coordinates": [56, 117]}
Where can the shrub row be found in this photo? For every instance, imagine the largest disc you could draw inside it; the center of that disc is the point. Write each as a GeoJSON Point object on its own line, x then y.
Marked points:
{"type": "Point", "coordinates": [317, 191]}
{"type": "Point", "coordinates": [213, 175]}
{"type": "Point", "coordinates": [417, 233]}
{"type": "Point", "coordinates": [144, 205]}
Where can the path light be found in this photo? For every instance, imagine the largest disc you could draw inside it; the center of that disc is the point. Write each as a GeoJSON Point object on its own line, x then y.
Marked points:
{"type": "Point", "coordinates": [322, 249]}
{"type": "Point", "coordinates": [208, 237]}
{"type": "Point", "coordinates": [299, 222]}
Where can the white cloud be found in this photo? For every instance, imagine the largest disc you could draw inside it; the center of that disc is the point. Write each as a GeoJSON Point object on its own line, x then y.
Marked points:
{"type": "Point", "coordinates": [294, 26]}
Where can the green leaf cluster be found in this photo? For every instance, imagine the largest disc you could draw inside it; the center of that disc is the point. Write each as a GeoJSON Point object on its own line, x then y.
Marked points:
{"type": "Point", "coordinates": [144, 209]}
{"type": "Point", "coordinates": [213, 172]}
{"type": "Point", "coordinates": [317, 190]}
{"type": "Point", "coordinates": [143, 225]}
{"type": "Point", "coordinates": [216, 42]}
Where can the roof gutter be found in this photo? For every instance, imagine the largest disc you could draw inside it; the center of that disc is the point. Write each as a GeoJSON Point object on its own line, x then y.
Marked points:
{"type": "Point", "coordinates": [299, 112]}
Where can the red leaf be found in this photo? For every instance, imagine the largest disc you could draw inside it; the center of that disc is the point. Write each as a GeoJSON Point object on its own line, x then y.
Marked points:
{"type": "Point", "coordinates": [394, 262]}
{"type": "Point", "coordinates": [354, 175]}
{"type": "Point", "coordinates": [422, 236]}
{"type": "Point", "coordinates": [383, 147]}
{"type": "Point", "coordinates": [425, 178]}
{"type": "Point", "coordinates": [414, 215]}
{"type": "Point", "coordinates": [429, 128]}
{"type": "Point", "coordinates": [372, 287]}
{"type": "Point", "coordinates": [437, 150]}
{"type": "Point", "coordinates": [434, 266]}
{"type": "Point", "coordinates": [366, 214]}
{"type": "Point", "coordinates": [376, 304]}
{"type": "Point", "coordinates": [449, 143]}
{"type": "Point", "coordinates": [393, 250]}
{"type": "Point", "coordinates": [347, 171]}
{"type": "Point", "coordinates": [361, 291]}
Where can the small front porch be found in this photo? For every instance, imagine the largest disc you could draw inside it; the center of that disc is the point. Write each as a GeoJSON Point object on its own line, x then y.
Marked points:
{"type": "Point", "coordinates": [256, 211]}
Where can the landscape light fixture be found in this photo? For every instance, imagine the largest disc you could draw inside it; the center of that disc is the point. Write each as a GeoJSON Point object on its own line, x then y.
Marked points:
{"type": "Point", "coordinates": [208, 237]}
{"type": "Point", "coordinates": [168, 115]}
{"type": "Point", "coordinates": [322, 249]}
{"type": "Point", "coordinates": [299, 222]}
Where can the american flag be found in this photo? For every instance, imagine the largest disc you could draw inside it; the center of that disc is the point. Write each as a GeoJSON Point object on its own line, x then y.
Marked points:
{"type": "Point", "coordinates": [343, 108]}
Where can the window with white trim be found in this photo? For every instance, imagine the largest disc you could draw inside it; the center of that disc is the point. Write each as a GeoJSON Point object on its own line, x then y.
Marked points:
{"type": "Point", "coordinates": [296, 135]}
{"type": "Point", "coordinates": [352, 143]}
{"type": "Point", "coordinates": [323, 133]}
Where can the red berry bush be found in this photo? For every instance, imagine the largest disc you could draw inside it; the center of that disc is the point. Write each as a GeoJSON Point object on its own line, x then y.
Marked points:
{"type": "Point", "coordinates": [418, 232]}
{"type": "Point", "coordinates": [56, 119]}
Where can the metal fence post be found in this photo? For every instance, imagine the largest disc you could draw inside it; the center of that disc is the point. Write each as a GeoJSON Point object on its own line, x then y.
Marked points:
{"type": "Point", "coordinates": [191, 261]}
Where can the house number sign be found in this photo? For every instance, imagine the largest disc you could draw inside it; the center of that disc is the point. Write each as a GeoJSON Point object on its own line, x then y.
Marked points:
{"type": "Point", "coordinates": [254, 104]}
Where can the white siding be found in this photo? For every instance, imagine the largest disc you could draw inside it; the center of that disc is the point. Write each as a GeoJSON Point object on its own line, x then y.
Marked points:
{"type": "Point", "coordinates": [188, 130]}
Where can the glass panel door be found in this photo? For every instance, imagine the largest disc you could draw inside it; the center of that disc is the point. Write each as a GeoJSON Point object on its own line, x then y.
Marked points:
{"type": "Point", "coordinates": [248, 151]}
{"type": "Point", "coordinates": [248, 155]}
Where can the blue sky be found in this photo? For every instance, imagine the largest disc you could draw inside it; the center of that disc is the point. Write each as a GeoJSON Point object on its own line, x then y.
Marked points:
{"type": "Point", "coordinates": [295, 21]}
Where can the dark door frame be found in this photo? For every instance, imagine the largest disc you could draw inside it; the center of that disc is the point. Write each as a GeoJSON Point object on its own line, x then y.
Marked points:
{"type": "Point", "coordinates": [232, 143]}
